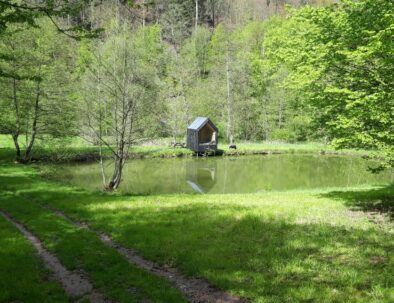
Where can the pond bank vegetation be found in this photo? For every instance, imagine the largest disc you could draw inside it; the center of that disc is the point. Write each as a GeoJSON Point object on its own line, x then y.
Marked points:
{"type": "Point", "coordinates": [78, 150]}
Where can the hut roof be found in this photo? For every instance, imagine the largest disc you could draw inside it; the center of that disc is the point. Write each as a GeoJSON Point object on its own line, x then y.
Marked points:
{"type": "Point", "coordinates": [199, 122]}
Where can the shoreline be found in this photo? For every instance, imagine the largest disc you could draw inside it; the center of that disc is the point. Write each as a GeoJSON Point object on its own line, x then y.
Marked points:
{"type": "Point", "coordinates": [90, 154]}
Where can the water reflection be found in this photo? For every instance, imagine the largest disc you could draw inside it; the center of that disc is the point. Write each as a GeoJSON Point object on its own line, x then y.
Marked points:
{"type": "Point", "coordinates": [249, 174]}
{"type": "Point", "coordinates": [201, 175]}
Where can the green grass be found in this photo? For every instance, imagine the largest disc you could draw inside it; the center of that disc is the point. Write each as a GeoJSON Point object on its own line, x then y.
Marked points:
{"type": "Point", "coordinates": [76, 248]}
{"type": "Point", "coordinates": [77, 149]}
{"type": "Point", "coordinates": [296, 246]}
{"type": "Point", "coordinates": [245, 148]}
{"type": "Point", "coordinates": [22, 275]}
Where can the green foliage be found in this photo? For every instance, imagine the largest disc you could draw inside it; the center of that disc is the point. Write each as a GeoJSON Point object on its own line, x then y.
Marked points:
{"type": "Point", "coordinates": [35, 83]}
{"type": "Point", "coordinates": [317, 72]}
{"type": "Point", "coordinates": [27, 13]}
{"type": "Point", "coordinates": [346, 61]}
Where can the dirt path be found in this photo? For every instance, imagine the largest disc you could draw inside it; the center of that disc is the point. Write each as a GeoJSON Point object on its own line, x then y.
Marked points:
{"type": "Point", "coordinates": [195, 290]}
{"type": "Point", "coordinates": [75, 284]}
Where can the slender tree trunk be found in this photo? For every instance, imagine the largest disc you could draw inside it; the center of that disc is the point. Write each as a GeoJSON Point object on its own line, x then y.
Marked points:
{"type": "Point", "coordinates": [230, 137]}
{"type": "Point", "coordinates": [101, 119]}
{"type": "Point", "coordinates": [17, 147]}
{"type": "Point", "coordinates": [117, 175]}
{"type": "Point", "coordinates": [213, 14]}
{"type": "Point", "coordinates": [186, 104]}
{"type": "Point", "coordinates": [143, 15]}
{"type": "Point", "coordinates": [196, 25]}
{"type": "Point", "coordinates": [265, 119]}
{"type": "Point", "coordinates": [16, 132]}
{"type": "Point", "coordinates": [34, 126]}
{"type": "Point", "coordinates": [175, 129]}
{"type": "Point", "coordinates": [123, 128]}
{"type": "Point", "coordinates": [185, 100]}
{"type": "Point", "coordinates": [280, 112]}
{"type": "Point", "coordinates": [102, 164]}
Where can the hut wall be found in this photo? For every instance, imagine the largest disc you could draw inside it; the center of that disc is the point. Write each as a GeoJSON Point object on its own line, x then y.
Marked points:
{"type": "Point", "coordinates": [192, 139]}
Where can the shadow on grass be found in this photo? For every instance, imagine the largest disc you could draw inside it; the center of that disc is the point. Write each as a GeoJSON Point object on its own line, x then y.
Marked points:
{"type": "Point", "coordinates": [259, 255]}
{"type": "Point", "coordinates": [80, 250]}
{"type": "Point", "coordinates": [7, 155]}
{"type": "Point", "coordinates": [379, 200]}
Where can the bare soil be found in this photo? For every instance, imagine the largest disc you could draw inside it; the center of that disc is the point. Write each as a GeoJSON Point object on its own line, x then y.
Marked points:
{"type": "Point", "coordinates": [75, 284]}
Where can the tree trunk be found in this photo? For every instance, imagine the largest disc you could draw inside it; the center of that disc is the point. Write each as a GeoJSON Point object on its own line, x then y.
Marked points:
{"type": "Point", "coordinates": [213, 15]}
{"type": "Point", "coordinates": [230, 137]}
{"type": "Point", "coordinates": [265, 118]}
{"type": "Point", "coordinates": [29, 148]}
{"type": "Point", "coordinates": [117, 175]}
{"type": "Point", "coordinates": [101, 119]}
{"type": "Point", "coordinates": [280, 111]}
{"type": "Point", "coordinates": [143, 15]}
{"type": "Point", "coordinates": [186, 113]}
{"type": "Point", "coordinates": [17, 147]}
{"type": "Point", "coordinates": [196, 25]}
{"type": "Point", "coordinates": [16, 132]}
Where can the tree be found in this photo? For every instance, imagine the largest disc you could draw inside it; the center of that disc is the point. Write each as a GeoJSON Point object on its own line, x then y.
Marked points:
{"type": "Point", "coordinates": [28, 11]}
{"type": "Point", "coordinates": [348, 50]}
{"type": "Point", "coordinates": [35, 85]}
{"type": "Point", "coordinates": [223, 54]}
{"type": "Point", "coordinates": [123, 72]}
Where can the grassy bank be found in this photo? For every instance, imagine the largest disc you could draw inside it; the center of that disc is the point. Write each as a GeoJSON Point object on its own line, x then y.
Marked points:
{"type": "Point", "coordinates": [299, 246]}
{"type": "Point", "coordinates": [78, 150]}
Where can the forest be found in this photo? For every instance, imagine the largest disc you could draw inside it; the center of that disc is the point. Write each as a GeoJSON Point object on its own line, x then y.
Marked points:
{"type": "Point", "coordinates": [262, 70]}
{"type": "Point", "coordinates": [296, 205]}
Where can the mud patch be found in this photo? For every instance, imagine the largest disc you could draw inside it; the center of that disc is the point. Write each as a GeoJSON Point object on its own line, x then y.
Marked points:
{"type": "Point", "coordinates": [195, 290]}
{"type": "Point", "coordinates": [74, 284]}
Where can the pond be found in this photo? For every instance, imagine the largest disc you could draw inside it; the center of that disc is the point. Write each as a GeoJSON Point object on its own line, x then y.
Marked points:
{"type": "Point", "coordinates": [247, 174]}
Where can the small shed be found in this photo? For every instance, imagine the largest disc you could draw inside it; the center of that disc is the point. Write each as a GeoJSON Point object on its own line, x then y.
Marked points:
{"type": "Point", "coordinates": [202, 135]}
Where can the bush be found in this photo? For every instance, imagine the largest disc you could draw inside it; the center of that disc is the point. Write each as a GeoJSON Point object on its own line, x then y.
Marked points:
{"type": "Point", "coordinates": [284, 135]}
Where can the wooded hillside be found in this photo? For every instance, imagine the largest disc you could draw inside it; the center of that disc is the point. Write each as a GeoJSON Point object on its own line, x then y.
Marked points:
{"type": "Point", "coordinates": [271, 70]}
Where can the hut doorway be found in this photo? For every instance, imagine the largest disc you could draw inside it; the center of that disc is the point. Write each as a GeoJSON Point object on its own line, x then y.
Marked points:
{"type": "Point", "coordinates": [207, 135]}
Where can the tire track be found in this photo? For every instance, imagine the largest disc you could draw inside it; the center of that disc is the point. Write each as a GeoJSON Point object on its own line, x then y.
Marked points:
{"type": "Point", "coordinates": [195, 290]}
{"type": "Point", "coordinates": [75, 284]}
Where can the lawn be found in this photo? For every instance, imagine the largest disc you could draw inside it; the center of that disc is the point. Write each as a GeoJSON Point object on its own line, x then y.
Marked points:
{"type": "Point", "coordinates": [295, 246]}
{"type": "Point", "coordinates": [23, 277]}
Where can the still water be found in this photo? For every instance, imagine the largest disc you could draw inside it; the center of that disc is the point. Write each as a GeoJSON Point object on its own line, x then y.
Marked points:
{"type": "Point", "coordinates": [248, 174]}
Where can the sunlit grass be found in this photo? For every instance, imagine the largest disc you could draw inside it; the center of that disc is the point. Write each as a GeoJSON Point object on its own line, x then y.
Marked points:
{"type": "Point", "coordinates": [6, 141]}
{"type": "Point", "coordinates": [23, 277]}
{"type": "Point", "coordinates": [330, 245]}
{"type": "Point", "coordinates": [77, 249]}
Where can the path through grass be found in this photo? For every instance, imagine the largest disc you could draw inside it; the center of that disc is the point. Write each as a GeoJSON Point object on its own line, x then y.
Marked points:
{"type": "Point", "coordinates": [314, 246]}
{"type": "Point", "coordinates": [23, 277]}
{"type": "Point", "coordinates": [79, 249]}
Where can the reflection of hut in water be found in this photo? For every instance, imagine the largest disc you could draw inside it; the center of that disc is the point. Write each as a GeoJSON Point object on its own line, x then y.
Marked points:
{"type": "Point", "coordinates": [202, 135]}
{"type": "Point", "coordinates": [201, 175]}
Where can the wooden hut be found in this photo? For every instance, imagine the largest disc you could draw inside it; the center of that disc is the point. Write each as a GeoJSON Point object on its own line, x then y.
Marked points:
{"type": "Point", "coordinates": [202, 135]}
